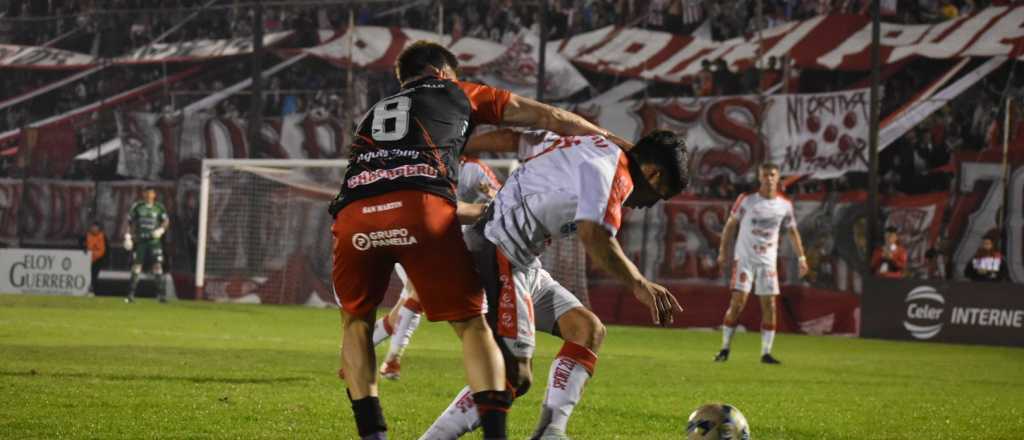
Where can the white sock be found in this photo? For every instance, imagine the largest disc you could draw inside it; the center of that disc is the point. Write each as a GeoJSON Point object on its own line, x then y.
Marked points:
{"type": "Point", "coordinates": [767, 338]}
{"type": "Point", "coordinates": [569, 373]}
{"type": "Point", "coordinates": [380, 331]}
{"type": "Point", "coordinates": [458, 419]}
{"type": "Point", "coordinates": [408, 320]}
{"type": "Point", "coordinates": [727, 336]}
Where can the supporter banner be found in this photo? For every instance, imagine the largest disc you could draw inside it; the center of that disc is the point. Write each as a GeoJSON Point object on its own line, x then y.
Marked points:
{"type": "Point", "coordinates": [517, 71]}
{"type": "Point", "coordinates": [47, 271]}
{"type": "Point", "coordinates": [833, 42]}
{"type": "Point", "coordinates": [512, 66]}
{"type": "Point", "coordinates": [823, 134]}
{"type": "Point", "coordinates": [42, 58]}
{"type": "Point", "coordinates": [971, 313]}
{"type": "Point", "coordinates": [678, 240]}
{"type": "Point", "coordinates": [196, 50]}
{"type": "Point", "coordinates": [171, 144]}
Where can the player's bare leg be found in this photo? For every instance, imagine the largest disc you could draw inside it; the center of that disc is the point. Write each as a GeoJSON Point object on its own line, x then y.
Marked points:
{"type": "Point", "coordinates": [767, 328]}
{"type": "Point", "coordinates": [583, 334]}
{"type": "Point", "coordinates": [358, 360]}
{"type": "Point", "coordinates": [732, 315]}
{"type": "Point", "coordinates": [485, 374]}
{"type": "Point", "coordinates": [134, 283]}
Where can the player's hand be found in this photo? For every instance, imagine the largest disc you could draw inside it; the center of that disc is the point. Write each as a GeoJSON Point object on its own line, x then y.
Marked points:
{"type": "Point", "coordinates": [128, 245]}
{"type": "Point", "coordinates": [158, 232]}
{"type": "Point", "coordinates": [659, 300]}
{"type": "Point", "coordinates": [487, 189]}
{"type": "Point", "coordinates": [803, 267]}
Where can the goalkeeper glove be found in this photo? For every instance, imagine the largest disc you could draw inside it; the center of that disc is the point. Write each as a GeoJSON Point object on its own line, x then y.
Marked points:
{"type": "Point", "coordinates": [128, 242]}
{"type": "Point", "coordinates": [158, 232]}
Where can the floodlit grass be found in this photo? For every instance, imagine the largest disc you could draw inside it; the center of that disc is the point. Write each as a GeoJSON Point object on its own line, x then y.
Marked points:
{"type": "Point", "coordinates": [98, 368]}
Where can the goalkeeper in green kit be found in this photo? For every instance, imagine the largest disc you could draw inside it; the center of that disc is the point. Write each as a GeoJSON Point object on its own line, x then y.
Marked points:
{"type": "Point", "coordinates": [147, 223]}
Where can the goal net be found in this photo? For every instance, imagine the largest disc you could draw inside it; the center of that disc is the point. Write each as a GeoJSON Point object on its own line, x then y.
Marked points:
{"type": "Point", "coordinates": [265, 234]}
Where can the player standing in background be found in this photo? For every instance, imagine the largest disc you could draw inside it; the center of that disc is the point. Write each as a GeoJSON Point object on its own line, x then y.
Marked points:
{"type": "Point", "coordinates": [397, 205]}
{"type": "Point", "coordinates": [569, 184]}
{"type": "Point", "coordinates": [147, 223]}
{"type": "Point", "coordinates": [758, 217]}
{"type": "Point", "coordinates": [477, 185]}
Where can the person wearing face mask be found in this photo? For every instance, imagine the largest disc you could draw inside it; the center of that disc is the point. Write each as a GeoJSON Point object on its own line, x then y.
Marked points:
{"type": "Point", "coordinates": [567, 185]}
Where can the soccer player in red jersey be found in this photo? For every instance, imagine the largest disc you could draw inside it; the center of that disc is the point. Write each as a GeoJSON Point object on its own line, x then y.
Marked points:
{"type": "Point", "coordinates": [397, 205]}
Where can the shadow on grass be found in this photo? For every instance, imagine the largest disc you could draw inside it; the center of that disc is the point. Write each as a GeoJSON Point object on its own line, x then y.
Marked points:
{"type": "Point", "coordinates": [155, 377]}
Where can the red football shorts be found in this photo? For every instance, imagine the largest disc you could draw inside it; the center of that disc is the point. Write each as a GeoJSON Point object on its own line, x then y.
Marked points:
{"type": "Point", "coordinates": [417, 229]}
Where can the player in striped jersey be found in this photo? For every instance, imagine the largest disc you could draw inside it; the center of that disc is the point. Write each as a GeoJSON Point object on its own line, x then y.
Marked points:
{"type": "Point", "coordinates": [572, 184]}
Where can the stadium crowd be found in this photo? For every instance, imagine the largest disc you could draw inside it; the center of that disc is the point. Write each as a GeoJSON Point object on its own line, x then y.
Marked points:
{"type": "Point", "coordinates": [919, 162]}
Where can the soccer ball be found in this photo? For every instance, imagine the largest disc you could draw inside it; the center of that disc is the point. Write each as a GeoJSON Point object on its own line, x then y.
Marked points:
{"type": "Point", "coordinates": [717, 421]}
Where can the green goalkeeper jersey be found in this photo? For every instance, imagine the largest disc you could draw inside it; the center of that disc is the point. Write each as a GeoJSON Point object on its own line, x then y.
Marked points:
{"type": "Point", "coordinates": [144, 218]}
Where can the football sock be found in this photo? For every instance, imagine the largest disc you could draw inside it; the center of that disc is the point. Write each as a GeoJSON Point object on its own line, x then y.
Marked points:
{"type": "Point", "coordinates": [458, 419]}
{"type": "Point", "coordinates": [767, 338]}
{"type": "Point", "coordinates": [369, 417]}
{"type": "Point", "coordinates": [381, 330]}
{"type": "Point", "coordinates": [493, 409]}
{"type": "Point", "coordinates": [408, 320]}
{"type": "Point", "coordinates": [570, 371]}
{"type": "Point", "coordinates": [727, 333]}
{"type": "Point", "coordinates": [161, 285]}
{"type": "Point", "coordinates": [133, 284]}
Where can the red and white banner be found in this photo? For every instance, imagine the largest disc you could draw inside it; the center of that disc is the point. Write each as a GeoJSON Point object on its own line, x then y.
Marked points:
{"type": "Point", "coordinates": [30, 57]}
{"type": "Point", "coordinates": [171, 145]}
{"type": "Point", "coordinates": [196, 50]}
{"type": "Point", "coordinates": [832, 42]}
{"type": "Point", "coordinates": [824, 134]}
{"type": "Point", "coordinates": [513, 67]}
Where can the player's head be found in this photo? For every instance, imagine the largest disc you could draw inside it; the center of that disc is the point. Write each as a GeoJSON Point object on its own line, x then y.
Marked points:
{"type": "Point", "coordinates": [426, 58]}
{"type": "Point", "coordinates": [768, 175]}
{"type": "Point", "coordinates": [149, 194]}
{"type": "Point", "coordinates": [659, 166]}
{"type": "Point", "coordinates": [94, 227]}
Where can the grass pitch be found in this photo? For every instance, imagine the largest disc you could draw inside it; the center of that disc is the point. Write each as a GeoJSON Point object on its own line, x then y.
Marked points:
{"type": "Point", "coordinates": [98, 368]}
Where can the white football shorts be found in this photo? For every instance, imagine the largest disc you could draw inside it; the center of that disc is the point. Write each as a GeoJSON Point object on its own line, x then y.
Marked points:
{"type": "Point", "coordinates": [763, 278]}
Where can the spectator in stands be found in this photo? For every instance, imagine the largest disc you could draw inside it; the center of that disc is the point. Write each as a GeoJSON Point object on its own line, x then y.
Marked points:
{"type": "Point", "coordinates": [96, 244]}
{"type": "Point", "coordinates": [935, 266]}
{"type": "Point", "coordinates": [890, 260]}
{"type": "Point", "coordinates": [704, 83]}
{"type": "Point", "coordinates": [988, 264]}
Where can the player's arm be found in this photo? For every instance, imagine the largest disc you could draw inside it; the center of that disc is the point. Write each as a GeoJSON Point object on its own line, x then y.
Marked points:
{"type": "Point", "coordinates": [503, 140]}
{"type": "Point", "coordinates": [527, 112]}
{"type": "Point", "coordinates": [728, 243]}
{"type": "Point", "coordinates": [469, 213]}
{"type": "Point", "coordinates": [606, 252]}
{"type": "Point", "coordinates": [798, 246]}
{"type": "Point", "coordinates": [128, 244]}
{"type": "Point", "coordinates": [164, 223]}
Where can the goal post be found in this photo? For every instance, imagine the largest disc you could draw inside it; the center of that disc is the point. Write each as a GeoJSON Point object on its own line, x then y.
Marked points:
{"type": "Point", "coordinates": [264, 233]}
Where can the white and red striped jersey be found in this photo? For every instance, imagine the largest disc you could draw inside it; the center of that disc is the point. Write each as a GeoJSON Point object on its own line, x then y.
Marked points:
{"type": "Point", "coordinates": [759, 221]}
{"type": "Point", "coordinates": [564, 179]}
{"type": "Point", "coordinates": [471, 176]}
